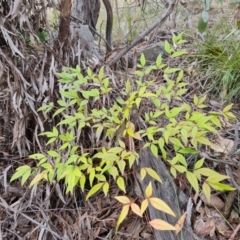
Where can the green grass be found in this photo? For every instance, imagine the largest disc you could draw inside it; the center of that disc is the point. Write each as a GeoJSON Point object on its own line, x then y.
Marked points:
{"type": "Point", "coordinates": [219, 60]}
{"type": "Point", "coordinates": [129, 20]}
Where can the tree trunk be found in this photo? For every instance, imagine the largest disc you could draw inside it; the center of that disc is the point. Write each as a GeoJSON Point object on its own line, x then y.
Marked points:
{"type": "Point", "coordinates": [76, 29]}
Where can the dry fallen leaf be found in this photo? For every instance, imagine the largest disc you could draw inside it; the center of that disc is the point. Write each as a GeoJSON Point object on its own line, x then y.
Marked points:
{"type": "Point", "coordinates": [215, 201]}
{"type": "Point", "coordinates": [223, 145]}
{"type": "Point", "coordinates": [179, 225]}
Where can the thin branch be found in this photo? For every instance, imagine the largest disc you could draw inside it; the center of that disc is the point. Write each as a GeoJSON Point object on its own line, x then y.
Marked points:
{"type": "Point", "coordinates": [144, 33]}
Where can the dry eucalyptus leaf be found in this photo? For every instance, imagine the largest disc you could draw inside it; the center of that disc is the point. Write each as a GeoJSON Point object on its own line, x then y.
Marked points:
{"type": "Point", "coordinates": [215, 201]}
{"type": "Point", "coordinates": [224, 145]}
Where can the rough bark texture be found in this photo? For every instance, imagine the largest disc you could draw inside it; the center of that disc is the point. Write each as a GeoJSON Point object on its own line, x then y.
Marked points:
{"type": "Point", "coordinates": [81, 36]}
{"type": "Point", "coordinates": [167, 192]}
{"type": "Point", "coordinates": [64, 25]}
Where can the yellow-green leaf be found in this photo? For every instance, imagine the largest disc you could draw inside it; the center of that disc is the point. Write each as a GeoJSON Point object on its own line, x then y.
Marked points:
{"type": "Point", "coordinates": [153, 174]}
{"type": "Point", "coordinates": [206, 172]}
{"type": "Point", "coordinates": [161, 205]}
{"type": "Point", "coordinates": [148, 191]}
{"type": "Point", "coordinates": [207, 191]}
{"type": "Point", "coordinates": [114, 172]}
{"type": "Point", "coordinates": [143, 173]}
{"type": "Point", "coordinates": [176, 141]}
{"type": "Point", "coordinates": [201, 100]}
{"type": "Point", "coordinates": [221, 187]}
{"type": "Point", "coordinates": [122, 144]}
{"type": "Point", "coordinates": [203, 140]}
{"type": "Point", "coordinates": [154, 150]}
{"type": "Point", "coordinates": [230, 115]}
{"type": "Point", "coordinates": [94, 189]}
{"type": "Point", "coordinates": [227, 108]}
{"type": "Point", "coordinates": [180, 168]}
{"type": "Point", "coordinates": [121, 164]}
{"type": "Point", "coordinates": [82, 182]}
{"type": "Point", "coordinates": [123, 214]}
{"type": "Point", "coordinates": [195, 100]}
{"type": "Point", "coordinates": [37, 179]}
{"type": "Point", "coordinates": [91, 176]}
{"type": "Point", "coordinates": [199, 164]}
{"type": "Point", "coordinates": [144, 205]}
{"type": "Point", "coordinates": [20, 172]}
{"type": "Point", "coordinates": [216, 178]}
{"type": "Point", "coordinates": [25, 176]}
{"type": "Point", "coordinates": [121, 184]}
{"type": "Point", "coordinates": [173, 171]}
{"type": "Point", "coordinates": [193, 181]}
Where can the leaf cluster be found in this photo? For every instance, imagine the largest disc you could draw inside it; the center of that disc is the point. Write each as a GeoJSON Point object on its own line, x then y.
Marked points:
{"type": "Point", "coordinates": [85, 108]}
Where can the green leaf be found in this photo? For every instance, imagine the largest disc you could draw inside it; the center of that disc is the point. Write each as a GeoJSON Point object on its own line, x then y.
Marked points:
{"type": "Point", "coordinates": [206, 172]}
{"type": "Point", "coordinates": [154, 150]}
{"type": "Point", "coordinates": [161, 146]}
{"type": "Point", "coordinates": [106, 188]}
{"type": "Point", "coordinates": [122, 215]}
{"type": "Point", "coordinates": [143, 173]}
{"type": "Point", "coordinates": [94, 189]}
{"type": "Point", "coordinates": [143, 60]}
{"type": "Point", "coordinates": [62, 103]}
{"type": "Point", "coordinates": [181, 159]}
{"type": "Point", "coordinates": [184, 136]}
{"type": "Point", "coordinates": [20, 171]}
{"type": "Point", "coordinates": [113, 171]}
{"type": "Point", "coordinates": [199, 164]}
{"type": "Point", "coordinates": [180, 168]}
{"type": "Point", "coordinates": [203, 141]}
{"type": "Point", "coordinates": [153, 174]}
{"type": "Point", "coordinates": [121, 184]}
{"type": "Point", "coordinates": [202, 26]}
{"type": "Point", "coordinates": [188, 151]}
{"type": "Point", "coordinates": [91, 176]}
{"type": "Point", "coordinates": [159, 60]}
{"type": "Point", "coordinates": [207, 191]}
{"type": "Point", "coordinates": [171, 70]}
{"type": "Point", "coordinates": [167, 47]}
{"type": "Point", "coordinates": [121, 164]}
{"type": "Point", "coordinates": [173, 172]}
{"type": "Point", "coordinates": [176, 141]}
{"type": "Point", "coordinates": [221, 187]}
{"type": "Point", "coordinates": [52, 153]}
{"type": "Point", "coordinates": [216, 178]}
{"type": "Point", "coordinates": [101, 74]}
{"type": "Point", "coordinates": [82, 182]}
{"type": "Point", "coordinates": [227, 108]}
{"type": "Point", "coordinates": [37, 179]}
{"type": "Point", "coordinates": [58, 111]}
{"type": "Point", "coordinates": [193, 181]}
{"type": "Point", "coordinates": [38, 156]}
{"type": "Point", "coordinates": [178, 54]}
